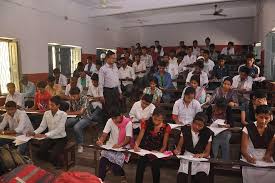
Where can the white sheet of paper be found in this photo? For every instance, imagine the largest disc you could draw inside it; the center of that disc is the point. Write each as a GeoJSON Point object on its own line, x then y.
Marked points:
{"type": "Point", "coordinates": [175, 126]}
{"type": "Point", "coordinates": [23, 138]}
{"type": "Point", "coordinates": [109, 147]}
{"type": "Point", "coordinates": [260, 163]}
{"type": "Point", "coordinates": [144, 152]}
{"type": "Point", "coordinates": [215, 126]}
{"type": "Point", "coordinates": [191, 158]}
{"type": "Point", "coordinates": [220, 122]}
{"type": "Point", "coordinates": [32, 112]}
{"type": "Point", "coordinates": [71, 116]}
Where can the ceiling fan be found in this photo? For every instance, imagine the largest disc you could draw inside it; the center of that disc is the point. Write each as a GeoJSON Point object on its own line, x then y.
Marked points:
{"type": "Point", "coordinates": [217, 12]}
{"type": "Point", "coordinates": [104, 5]}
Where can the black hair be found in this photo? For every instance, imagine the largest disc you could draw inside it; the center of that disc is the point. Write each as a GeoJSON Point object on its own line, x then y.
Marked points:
{"type": "Point", "coordinates": [51, 78]}
{"type": "Point", "coordinates": [153, 46]}
{"type": "Point", "coordinates": [115, 112]}
{"type": "Point", "coordinates": [80, 64]}
{"type": "Point", "coordinates": [56, 70]}
{"type": "Point", "coordinates": [148, 98]}
{"type": "Point", "coordinates": [201, 116]}
{"type": "Point", "coordinates": [189, 90]}
{"type": "Point", "coordinates": [259, 94]}
{"type": "Point", "coordinates": [56, 100]}
{"type": "Point", "coordinates": [144, 47]}
{"type": "Point", "coordinates": [222, 57]}
{"type": "Point", "coordinates": [230, 42]}
{"type": "Point", "coordinates": [212, 45]}
{"type": "Point", "coordinates": [221, 103]}
{"type": "Point", "coordinates": [249, 56]}
{"type": "Point", "coordinates": [200, 64]}
{"type": "Point", "coordinates": [228, 79]}
{"type": "Point", "coordinates": [109, 53]}
{"type": "Point", "coordinates": [74, 91]}
{"type": "Point", "coordinates": [154, 79]}
{"type": "Point", "coordinates": [208, 38]}
{"type": "Point", "coordinates": [94, 77]}
{"type": "Point", "coordinates": [263, 109]}
{"type": "Point", "coordinates": [196, 78]}
{"type": "Point", "coordinates": [195, 41]}
{"type": "Point", "coordinates": [11, 84]}
{"type": "Point", "coordinates": [158, 112]}
{"type": "Point", "coordinates": [162, 64]}
{"type": "Point", "coordinates": [190, 47]}
{"type": "Point", "coordinates": [10, 104]}
{"type": "Point", "coordinates": [206, 52]}
{"type": "Point", "coordinates": [245, 69]}
{"type": "Point", "coordinates": [41, 84]}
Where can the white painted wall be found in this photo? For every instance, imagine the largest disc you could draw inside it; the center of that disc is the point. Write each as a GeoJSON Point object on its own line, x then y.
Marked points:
{"type": "Point", "coordinates": [240, 31]}
{"type": "Point", "coordinates": [35, 30]}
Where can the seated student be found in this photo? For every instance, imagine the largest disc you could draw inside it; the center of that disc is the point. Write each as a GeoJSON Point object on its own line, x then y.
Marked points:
{"type": "Point", "coordinates": [120, 129]}
{"type": "Point", "coordinates": [140, 70]}
{"type": "Point", "coordinates": [72, 84]}
{"type": "Point", "coordinates": [80, 67]}
{"type": "Point", "coordinates": [220, 110]}
{"type": "Point", "coordinates": [126, 76]}
{"type": "Point", "coordinates": [208, 64]}
{"type": "Point", "coordinates": [15, 96]}
{"type": "Point", "coordinates": [159, 48]}
{"type": "Point", "coordinates": [153, 136]}
{"type": "Point", "coordinates": [225, 91]}
{"type": "Point", "coordinates": [229, 50]}
{"type": "Point", "coordinates": [78, 106]}
{"type": "Point", "coordinates": [98, 66]}
{"type": "Point", "coordinates": [196, 48]}
{"type": "Point", "coordinates": [195, 140]}
{"type": "Point", "coordinates": [42, 97]}
{"type": "Point", "coordinates": [17, 121]}
{"type": "Point", "coordinates": [154, 55]}
{"type": "Point", "coordinates": [84, 80]}
{"type": "Point", "coordinates": [55, 139]}
{"type": "Point", "coordinates": [200, 91]}
{"type": "Point", "coordinates": [141, 110]}
{"type": "Point", "coordinates": [60, 78]}
{"type": "Point", "coordinates": [221, 70]}
{"type": "Point", "coordinates": [198, 70]}
{"type": "Point", "coordinates": [213, 55]}
{"type": "Point", "coordinates": [188, 60]}
{"type": "Point", "coordinates": [258, 140]}
{"type": "Point", "coordinates": [146, 58]}
{"type": "Point", "coordinates": [164, 81]}
{"type": "Point", "coordinates": [173, 67]}
{"type": "Point", "coordinates": [243, 84]}
{"type": "Point", "coordinates": [185, 109]}
{"type": "Point", "coordinates": [52, 88]}
{"type": "Point", "coordinates": [90, 67]}
{"type": "Point", "coordinates": [254, 70]}
{"type": "Point", "coordinates": [248, 109]}
{"type": "Point", "coordinates": [28, 91]}
{"type": "Point", "coordinates": [153, 90]}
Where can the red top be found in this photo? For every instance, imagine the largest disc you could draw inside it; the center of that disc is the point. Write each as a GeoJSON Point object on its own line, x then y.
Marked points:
{"type": "Point", "coordinates": [167, 128]}
{"type": "Point", "coordinates": [42, 100]}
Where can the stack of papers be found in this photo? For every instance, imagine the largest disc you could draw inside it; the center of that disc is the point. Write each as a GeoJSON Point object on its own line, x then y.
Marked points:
{"type": "Point", "coordinates": [191, 158]}
{"type": "Point", "coordinates": [144, 152]}
{"type": "Point", "coordinates": [110, 147]}
{"type": "Point", "coordinates": [21, 139]}
{"type": "Point", "coordinates": [260, 163]}
{"type": "Point", "coordinates": [215, 126]}
{"type": "Point", "coordinates": [175, 126]}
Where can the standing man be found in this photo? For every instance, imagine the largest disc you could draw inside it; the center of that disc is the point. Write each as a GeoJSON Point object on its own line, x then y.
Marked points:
{"type": "Point", "coordinates": [109, 81]}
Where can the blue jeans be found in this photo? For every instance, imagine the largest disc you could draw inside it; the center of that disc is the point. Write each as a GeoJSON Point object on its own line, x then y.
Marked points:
{"type": "Point", "coordinates": [21, 148]}
{"type": "Point", "coordinates": [222, 140]}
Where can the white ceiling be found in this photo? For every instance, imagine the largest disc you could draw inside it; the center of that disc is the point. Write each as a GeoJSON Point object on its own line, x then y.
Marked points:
{"type": "Point", "coordinates": [132, 13]}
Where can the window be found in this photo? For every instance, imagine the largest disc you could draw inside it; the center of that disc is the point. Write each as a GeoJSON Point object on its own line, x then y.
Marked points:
{"type": "Point", "coordinates": [64, 57]}
{"type": "Point", "coordinates": [9, 65]}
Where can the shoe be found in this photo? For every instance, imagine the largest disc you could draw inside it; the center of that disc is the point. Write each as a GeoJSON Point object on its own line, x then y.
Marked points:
{"type": "Point", "coordinates": [80, 149]}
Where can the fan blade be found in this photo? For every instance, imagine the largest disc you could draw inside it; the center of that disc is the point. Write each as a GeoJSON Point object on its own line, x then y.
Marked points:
{"type": "Point", "coordinates": [219, 11]}
{"type": "Point", "coordinates": [222, 15]}
{"type": "Point", "coordinates": [206, 14]}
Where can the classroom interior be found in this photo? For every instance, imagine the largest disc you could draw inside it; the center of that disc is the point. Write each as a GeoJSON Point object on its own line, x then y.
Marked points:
{"type": "Point", "coordinates": [38, 36]}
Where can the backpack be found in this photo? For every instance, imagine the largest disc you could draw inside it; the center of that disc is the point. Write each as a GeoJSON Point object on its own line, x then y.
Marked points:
{"type": "Point", "coordinates": [77, 177]}
{"type": "Point", "coordinates": [27, 174]}
{"type": "Point", "coordinates": [10, 159]}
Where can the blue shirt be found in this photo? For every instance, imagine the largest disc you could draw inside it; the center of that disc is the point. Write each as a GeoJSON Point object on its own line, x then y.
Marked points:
{"type": "Point", "coordinates": [164, 81]}
{"type": "Point", "coordinates": [220, 72]}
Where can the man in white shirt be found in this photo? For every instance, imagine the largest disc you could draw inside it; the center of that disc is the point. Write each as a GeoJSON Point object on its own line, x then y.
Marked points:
{"type": "Point", "coordinates": [198, 69]}
{"type": "Point", "coordinates": [243, 83]}
{"type": "Point", "coordinates": [73, 83]}
{"type": "Point", "coordinates": [90, 67]}
{"type": "Point", "coordinates": [141, 110]}
{"type": "Point", "coordinates": [84, 80]}
{"type": "Point", "coordinates": [55, 139]}
{"type": "Point", "coordinates": [140, 70]}
{"type": "Point", "coordinates": [196, 49]}
{"type": "Point", "coordinates": [126, 76]}
{"type": "Point", "coordinates": [229, 50]}
{"type": "Point", "coordinates": [186, 108]}
{"type": "Point", "coordinates": [188, 60]}
{"type": "Point", "coordinates": [17, 122]}
{"type": "Point", "coordinates": [15, 96]}
{"type": "Point", "coordinates": [173, 67]}
{"type": "Point", "coordinates": [109, 82]}
{"type": "Point", "coordinates": [159, 48]}
{"type": "Point", "coordinates": [60, 78]}
{"type": "Point", "coordinates": [146, 58]}
{"type": "Point", "coordinates": [208, 64]}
